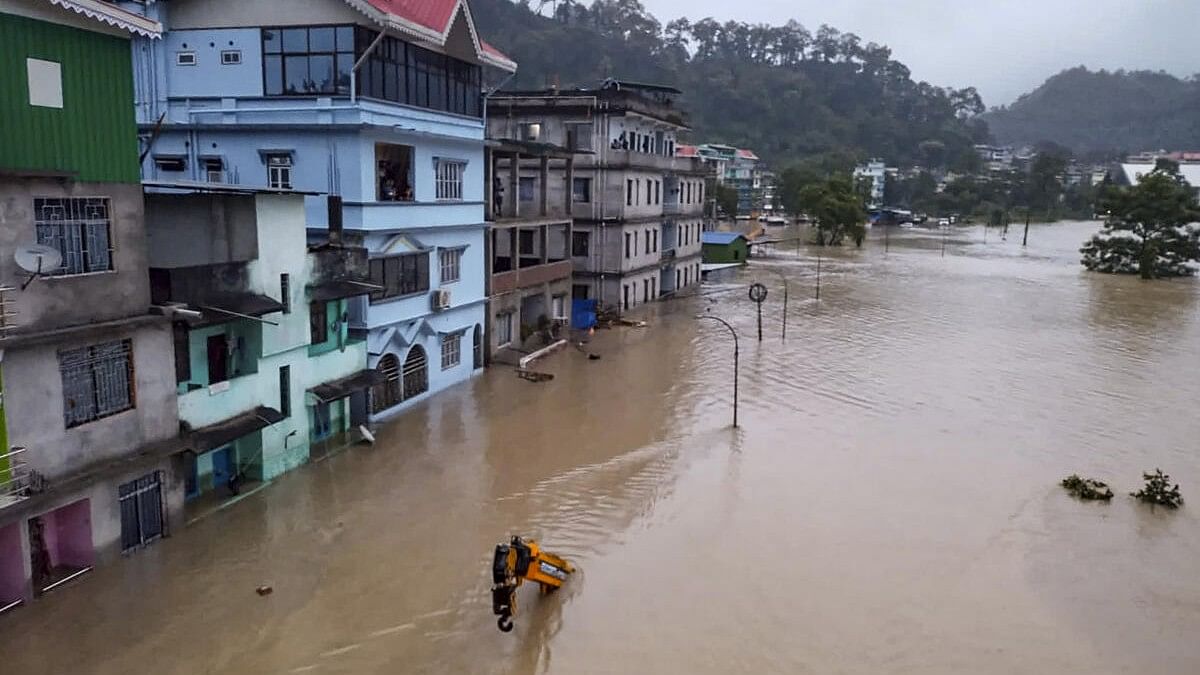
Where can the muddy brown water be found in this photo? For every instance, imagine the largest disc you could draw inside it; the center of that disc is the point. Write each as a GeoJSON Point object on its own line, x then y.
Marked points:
{"type": "Point", "coordinates": [889, 505]}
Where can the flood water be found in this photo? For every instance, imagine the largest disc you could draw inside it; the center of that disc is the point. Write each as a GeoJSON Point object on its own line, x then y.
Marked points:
{"type": "Point", "coordinates": [889, 504]}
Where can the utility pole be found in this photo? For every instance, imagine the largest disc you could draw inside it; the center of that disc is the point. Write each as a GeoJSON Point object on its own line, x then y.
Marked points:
{"type": "Point", "coordinates": [818, 276]}
{"type": "Point", "coordinates": [735, 362]}
{"type": "Point", "coordinates": [1025, 239]}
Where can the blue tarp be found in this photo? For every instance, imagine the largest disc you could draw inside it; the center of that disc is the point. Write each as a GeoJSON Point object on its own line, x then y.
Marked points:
{"type": "Point", "coordinates": [583, 314]}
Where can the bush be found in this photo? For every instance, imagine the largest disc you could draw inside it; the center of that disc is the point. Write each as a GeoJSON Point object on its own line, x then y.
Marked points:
{"type": "Point", "coordinates": [1087, 488]}
{"type": "Point", "coordinates": [1157, 492]}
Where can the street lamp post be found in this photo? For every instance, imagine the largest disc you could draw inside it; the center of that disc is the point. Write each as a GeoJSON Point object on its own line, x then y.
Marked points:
{"type": "Point", "coordinates": [735, 361]}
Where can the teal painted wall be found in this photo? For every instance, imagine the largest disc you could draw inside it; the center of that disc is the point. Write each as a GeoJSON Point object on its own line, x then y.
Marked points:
{"type": "Point", "coordinates": [94, 134]}
{"type": "Point", "coordinates": [333, 310]}
{"type": "Point", "coordinates": [243, 361]}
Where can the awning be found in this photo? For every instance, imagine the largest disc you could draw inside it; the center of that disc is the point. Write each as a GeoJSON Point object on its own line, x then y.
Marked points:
{"type": "Point", "coordinates": [225, 308]}
{"type": "Point", "coordinates": [342, 288]}
{"type": "Point", "coordinates": [223, 433]}
{"type": "Point", "coordinates": [343, 387]}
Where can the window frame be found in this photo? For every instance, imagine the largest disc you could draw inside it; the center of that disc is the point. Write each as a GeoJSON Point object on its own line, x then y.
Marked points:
{"type": "Point", "coordinates": [504, 327]}
{"type": "Point", "coordinates": [450, 259]}
{"type": "Point", "coordinates": [83, 362]}
{"type": "Point", "coordinates": [586, 183]}
{"type": "Point", "coordinates": [451, 345]}
{"type": "Point", "coordinates": [283, 162]}
{"type": "Point", "coordinates": [318, 329]}
{"type": "Point", "coordinates": [449, 178]}
{"type": "Point", "coordinates": [341, 55]}
{"type": "Point", "coordinates": [78, 224]}
{"type": "Point", "coordinates": [585, 237]}
{"type": "Point", "coordinates": [395, 288]}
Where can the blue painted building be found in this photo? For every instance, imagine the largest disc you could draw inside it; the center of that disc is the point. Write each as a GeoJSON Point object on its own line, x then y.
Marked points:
{"type": "Point", "coordinates": [378, 101]}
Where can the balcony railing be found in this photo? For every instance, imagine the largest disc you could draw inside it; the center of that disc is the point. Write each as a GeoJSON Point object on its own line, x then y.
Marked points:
{"type": "Point", "coordinates": [7, 313]}
{"type": "Point", "coordinates": [504, 282]}
{"type": "Point", "coordinates": [17, 481]}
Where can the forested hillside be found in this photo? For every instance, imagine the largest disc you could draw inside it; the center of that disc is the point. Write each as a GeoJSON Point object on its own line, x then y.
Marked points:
{"type": "Point", "coordinates": [785, 91]}
{"type": "Point", "coordinates": [1101, 111]}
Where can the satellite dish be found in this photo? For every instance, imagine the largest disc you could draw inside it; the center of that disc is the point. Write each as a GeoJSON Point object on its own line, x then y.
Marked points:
{"type": "Point", "coordinates": [37, 259]}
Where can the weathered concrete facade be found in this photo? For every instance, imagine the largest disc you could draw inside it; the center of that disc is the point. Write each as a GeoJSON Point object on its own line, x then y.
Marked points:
{"type": "Point", "coordinates": [637, 207]}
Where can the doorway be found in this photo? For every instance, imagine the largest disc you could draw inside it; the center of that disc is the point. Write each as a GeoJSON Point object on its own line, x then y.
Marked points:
{"type": "Point", "coordinates": [222, 466]}
{"type": "Point", "coordinates": [218, 359]}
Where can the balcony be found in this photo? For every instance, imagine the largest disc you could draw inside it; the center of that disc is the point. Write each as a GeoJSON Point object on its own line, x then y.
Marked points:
{"type": "Point", "coordinates": [218, 402]}
{"type": "Point", "coordinates": [506, 282]}
{"type": "Point", "coordinates": [16, 480]}
{"type": "Point", "coordinates": [628, 159]}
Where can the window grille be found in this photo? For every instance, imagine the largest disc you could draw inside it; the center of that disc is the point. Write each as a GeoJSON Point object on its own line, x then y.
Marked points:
{"type": "Point", "coordinates": [79, 228]}
{"type": "Point", "coordinates": [387, 394]}
{"type": "Point", "coordinates": [504, 329]}
{"type": "Point", "coordinates": [451, 350]}
{"type": "Point", "coordinates": [97, 381]}
{"type": "Point", "coordinates": [449, 260]}
{"type": "Point", "coordinates": [450, 179]}
{"type": "Point", "coordinates": [416, 373]}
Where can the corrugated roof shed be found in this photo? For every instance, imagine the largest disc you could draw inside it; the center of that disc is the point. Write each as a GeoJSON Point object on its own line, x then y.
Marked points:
{"type": "Point", "coordinates": [720, 238]}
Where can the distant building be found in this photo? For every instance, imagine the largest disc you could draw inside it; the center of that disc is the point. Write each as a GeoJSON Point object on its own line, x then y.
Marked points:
{"type": "Point", "coordinates": [88, 424]}
{"type": "Point", "coordinates": [637, 206]}
{"type": "Point", "coordinates": [996, 158]}
{"type": "Point", "coordinates": [876, 172]}
{"type": "Point", "coordinates": [1130, 172]}
{"type": "Point", "coordinates": [738, 168]}
{"type": "Point", "coordinates": [725, 247]}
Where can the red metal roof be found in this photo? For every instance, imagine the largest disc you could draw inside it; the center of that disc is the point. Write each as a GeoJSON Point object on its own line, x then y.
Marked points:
{"type": "Point", "coordinates": [432, 14]}
{"type": "Point", "coordinates": [747, 154]}
{"type": "Point", "coordinates": [687, 151]}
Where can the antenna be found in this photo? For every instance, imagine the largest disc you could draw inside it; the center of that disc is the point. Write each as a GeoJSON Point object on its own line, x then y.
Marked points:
{"type": "Point", "coordinates": [37, 259]}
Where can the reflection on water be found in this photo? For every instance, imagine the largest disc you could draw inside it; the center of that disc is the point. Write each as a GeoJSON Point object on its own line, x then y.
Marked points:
{"type": "Point", "coordinates": [889, 504]}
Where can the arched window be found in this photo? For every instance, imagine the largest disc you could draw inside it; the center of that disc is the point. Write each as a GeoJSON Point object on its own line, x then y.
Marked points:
{"type": "Point", "coordinates": [387, 394]}
{"type": "Point", "coordinates": [416, 373]}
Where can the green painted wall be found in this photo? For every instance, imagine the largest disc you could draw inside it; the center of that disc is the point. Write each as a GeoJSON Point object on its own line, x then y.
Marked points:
{"type": "Point", "coordinates": [737, 252]}
{"type": "Point", "coordinates": [94, 134]}
{"type": "Point", "coordinates": [335, 339]}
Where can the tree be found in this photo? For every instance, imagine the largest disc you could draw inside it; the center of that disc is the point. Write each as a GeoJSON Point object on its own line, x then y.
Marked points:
{"type": "Point", "coordinates": [1150, 231]}
{"type": "Point", "coordinates": [727, 199]}
{"type": "Point", "coordinates": [837, 207]}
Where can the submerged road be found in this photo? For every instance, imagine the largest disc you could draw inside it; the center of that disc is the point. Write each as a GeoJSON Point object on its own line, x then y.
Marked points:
{"type": "Point", "coordinates": [890, 504]}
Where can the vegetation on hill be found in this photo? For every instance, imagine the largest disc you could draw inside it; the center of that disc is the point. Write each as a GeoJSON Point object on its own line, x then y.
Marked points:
{"type": "Point", "coordinates": [785, 91]}
{"type": "Point", "coordinates": [1103, 112]}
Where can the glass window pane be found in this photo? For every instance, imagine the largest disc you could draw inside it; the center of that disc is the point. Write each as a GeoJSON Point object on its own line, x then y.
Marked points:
{"type": "Point", "coordinates": [273, 72]}
{"type": "Point", "coordinates": [345, 38]}
{"type": "Point", "coordinates": [390, 82]}
{"type": "Point", "coordinates": [345, 62]}
{"type": "Point", "coordinates": [320, 72]}
{"type": "Point", "coordinates": [321, 40]}
{"type": "Point", "coordinates": [295, 40]}
{"type": "Point", "coordinates": [296, 74]}
{"type": "Point", "coordinates": [271, 41]}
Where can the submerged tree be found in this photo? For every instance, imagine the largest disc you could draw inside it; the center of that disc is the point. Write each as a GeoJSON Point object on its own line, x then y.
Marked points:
{"type": "Point", "coordinates": [837, 208]}
{"type": "Point", "coordinates": [1151, 228]}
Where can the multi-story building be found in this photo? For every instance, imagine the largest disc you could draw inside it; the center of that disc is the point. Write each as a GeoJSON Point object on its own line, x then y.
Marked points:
{"type": "Point", "coordinates": [529, 247]}
{"type": "Point", "coordinates": [88, 423]}
{"type": "Point", "coordinates": [378, 101]}
{"type": "Point", "coordinates": [637, 207]}
{"type": "Point", "coordinates": [875, 172]}
{"type": "Point", "coordinates": [996, 158]}
{"type": "Point", "coordinates": [266, 369]}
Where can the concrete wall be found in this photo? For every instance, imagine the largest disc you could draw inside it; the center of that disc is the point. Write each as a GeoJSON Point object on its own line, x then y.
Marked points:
{"type": "Point", "coordinates": [199, 229]}
{"type": "Point", "coordinates": [59, 301]}
{"type": "Point", "coordinates": [223, 13]}
{"type": "Point", "coordinates": [34, 404]}
{"type": "Point", "coordinates": [510, 303]}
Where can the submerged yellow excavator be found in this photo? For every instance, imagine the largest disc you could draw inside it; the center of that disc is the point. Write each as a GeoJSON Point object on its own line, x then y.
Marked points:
{"type": "Point", "coordinates": [516, 562]}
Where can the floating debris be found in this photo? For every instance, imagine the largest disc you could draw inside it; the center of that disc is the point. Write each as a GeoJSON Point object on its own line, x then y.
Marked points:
{"type": "Point", "coordinates": [1087, 488]}
{"type": "Point", "coordinates": [533, 375]}
{"type": "Point", "coordinates": [1158, 491]}
{"type": "Point", "coordinates": [264, 590]}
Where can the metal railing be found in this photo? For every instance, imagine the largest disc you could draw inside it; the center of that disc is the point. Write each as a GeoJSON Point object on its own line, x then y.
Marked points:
{"type": "Point", "coordinates": [7, 313]}
{"type": "Point", "coordinates": [17, 481]}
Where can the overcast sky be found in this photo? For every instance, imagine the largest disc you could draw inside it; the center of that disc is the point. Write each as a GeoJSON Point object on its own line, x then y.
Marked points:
{"type": "Point", "coordinates": [1002, 47]}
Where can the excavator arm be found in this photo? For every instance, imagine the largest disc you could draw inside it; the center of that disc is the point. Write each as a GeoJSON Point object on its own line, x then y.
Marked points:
{"type": "Point", "coordinates": [519, 561]}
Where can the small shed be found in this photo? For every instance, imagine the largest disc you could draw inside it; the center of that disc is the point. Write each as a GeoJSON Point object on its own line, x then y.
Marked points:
{"type": "Point", "coordinates": [724, 247]}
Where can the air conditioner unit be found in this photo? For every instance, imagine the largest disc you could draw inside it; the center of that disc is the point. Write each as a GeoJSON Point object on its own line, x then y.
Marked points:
{"type": "Point", "coordinates": [440, 299]}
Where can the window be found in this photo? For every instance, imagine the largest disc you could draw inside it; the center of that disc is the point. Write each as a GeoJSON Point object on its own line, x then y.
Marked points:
{"type": "Point", "coordinates": [285, 390]}
{"type": "Point", "coordinates": [581, 291]}
{"type": "Point", "coordinates": [416, 373]}
{"type": "Point", "coordinates": [285, 292]}
{"type": "Point", "coordinates": [45, 83]}
{"type": "Point", "coordinates": [387, 394]}
{"type": "Point", "coordinates": [306, 61]}
{"type": "Point", "coordinates": [626, 244]}
{"type": "Point", "coordinates": [451, 350]}
{"type": "Point", "coordinates": [525, 187]}
{"type": "Point", "coordinates": [318, 322]}
{"type": "Point", "coordinates": [531, 131]}
{"type": "Point", "coordinates": [580, 244]}
{"type": "Point", "coordinates": [646, 243]}
{"type": "Point", "coordinates": [525, 242]}
{"type": "Point", "coordinates": [450, 179]}
{"type": "Point", "coordinates": [645, 290]}
{"type": "Point", "coordinates": [185, 58]}
{"type": "Point", "coordinates": [625, 293]}
{"type": "Point", "coordinates": [558, 306]}
{"type": "Point", "coordinates": [170, 162]}
{"type": "Point", "coordinates": [79, 228]}
{"type": "Point", "coordinates": [393, 173]}
{"type": "Point", "coordinates": [579, 135]}
{"type": "Point", "coordinates": [657, 192]}
{"type": "Point", "coordinates": [279, 171]}
{"type": "Point", "coordinates": [231, 57]}
{"type": "Point", "coordinates": [504, 329]}
{"type": "Point", "coordinates": [449, 261]}
{"type": "Point", "coordinates": [214, 170]}
{"type": "Point", "coordinates": [581, 190]}
{"type": "Point", "coordinates": [649, 194]}
{"type": "Point", "coordinates": [656, 240]}
{"type": "Point", "coordinates": [405, 73]}
{"type": "Point", "coordinates": [628, 192]}
{"type": "Point", "coordinates": [97, 381]}
{"type": "Point", "coordinates": [399, 275]}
